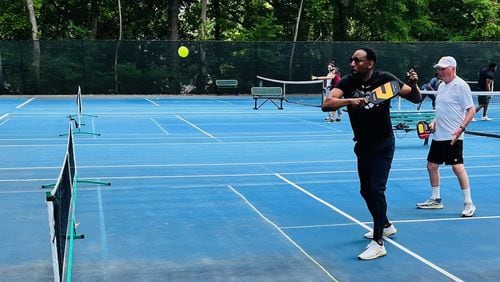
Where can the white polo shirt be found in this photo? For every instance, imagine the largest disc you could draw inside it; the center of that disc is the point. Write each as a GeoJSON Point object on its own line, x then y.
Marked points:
{"type": "Point", "coordinates": [452, 101]}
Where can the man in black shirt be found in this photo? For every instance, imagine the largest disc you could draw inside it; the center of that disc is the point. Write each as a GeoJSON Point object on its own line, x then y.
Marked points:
{"type": "Point", "coordinates": [485, 83]}
{"type": "Point", "coordinates": [373, 137]}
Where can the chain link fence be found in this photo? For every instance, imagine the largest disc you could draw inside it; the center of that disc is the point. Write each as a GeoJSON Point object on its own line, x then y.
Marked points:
{"type": "Point", "coordinates": [153, 67]}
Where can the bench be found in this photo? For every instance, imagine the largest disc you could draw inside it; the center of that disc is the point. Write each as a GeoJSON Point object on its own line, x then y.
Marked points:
{"type": "Point", "coordinates": [268, 94]}
{"type": "Point", "coordinates": [226, 84]}
{"type": "Point", "coordinates": [407, 120]}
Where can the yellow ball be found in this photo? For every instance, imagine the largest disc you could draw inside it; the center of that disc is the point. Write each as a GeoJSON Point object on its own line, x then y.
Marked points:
{"type": "Point", "coordinates": [183, 51]}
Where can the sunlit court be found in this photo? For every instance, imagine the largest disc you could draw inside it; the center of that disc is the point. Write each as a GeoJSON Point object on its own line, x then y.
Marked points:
{"type": "Point", "coordinates": [210, 189]}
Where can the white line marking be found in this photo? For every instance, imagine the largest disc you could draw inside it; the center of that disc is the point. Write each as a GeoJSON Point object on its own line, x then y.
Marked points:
{"type": "Point", "coordinates": [394, 221]}
{"type": "Point", "coordinates": [4, 121]}
{"type": "Point", "coordinates": [102, 225]}
{"type": "Point", "coordinates": [353, 219]}
{"type": "Point", "coordinates": [23, 104]}
{"type": "Point", "coordinates": [225, 102]}
{"type": "Point", "coordinates": [152, 102]}
{"type": "Point", "coordinates": [201, 130]}
{"type": "Point", "coordinates": [93, 128]}
{"type": "Point", "coordinates": [238, 164]}
{"type": "Point", "coordinates": [320, 125]}
{"type": "Point", "coordinates": [162, 129]}
{"type": "Point", "coordinates": [282, 233]}
{"type": "Point", "coordinates": [4, 116]}
{"type": "Point", "coordinates": [405, 179]}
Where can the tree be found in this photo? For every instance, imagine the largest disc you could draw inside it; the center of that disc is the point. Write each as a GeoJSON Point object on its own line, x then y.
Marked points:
{"type": "Point", "coordinates": [118, 44]}
{"type": "Point", "coordinates": [34, 38]}
{"type": "Point", "coordinates": [94, 17]}
{"type": "Point", "coordinates": [173, 20]}
{"type": "Point", "coordinates": [257, 20]}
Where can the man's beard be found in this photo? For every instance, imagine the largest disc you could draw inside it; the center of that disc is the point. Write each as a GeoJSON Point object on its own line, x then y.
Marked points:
{"type": "Point", "coordinates": [356, 75]}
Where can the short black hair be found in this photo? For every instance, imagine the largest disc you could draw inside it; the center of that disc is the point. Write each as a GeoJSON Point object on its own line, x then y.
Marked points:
{"type": "Point", "coordinates": [332, 62]}
{"type": "Point", "coordinates": [370, 54]}
{"type": "Point", "coordinates": [492, 65]}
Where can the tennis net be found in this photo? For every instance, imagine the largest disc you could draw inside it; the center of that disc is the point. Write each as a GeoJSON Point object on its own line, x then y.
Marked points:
{"type": "Point", "coordinates": [308, 92]}
{"type": "Point", "coordinates": [61, 209]}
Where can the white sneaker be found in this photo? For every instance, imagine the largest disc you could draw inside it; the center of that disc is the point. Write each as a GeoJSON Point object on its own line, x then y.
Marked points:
{"type": "Point", "coordinates": [373, 251]}
{"type": "Point", "coordinates": [485, 118]}
{"type": "Point", "coordinates": [469, 209]}
{"type": "Point", "coordinates": [474, 119]}
{"type": "Point", "coordinates": [388, 232]}
{"type": "Point", "coordinates": [431, 204]}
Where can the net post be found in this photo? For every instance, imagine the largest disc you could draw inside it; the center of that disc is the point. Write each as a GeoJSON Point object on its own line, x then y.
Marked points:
{"type": "Point", "coordinates": [78, 117]}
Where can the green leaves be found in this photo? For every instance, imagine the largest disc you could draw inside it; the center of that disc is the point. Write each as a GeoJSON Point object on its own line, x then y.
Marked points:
{"type": "Point", "coordinates": [261, 20]}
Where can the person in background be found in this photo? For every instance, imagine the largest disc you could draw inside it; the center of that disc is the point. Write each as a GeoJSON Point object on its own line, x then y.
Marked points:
{"type": "Point", "coordinates": [330, 80]}
{"type": "Point", "coordinates": [432, 85]}
{"type": "Point", "coordinates": [485, 83]}
{"type": "Point", "coordinates": [454, 111]}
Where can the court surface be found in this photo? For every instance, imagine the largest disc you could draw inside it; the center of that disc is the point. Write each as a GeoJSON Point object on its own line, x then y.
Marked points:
{"type": "Point", "coordinates": [208, 189]}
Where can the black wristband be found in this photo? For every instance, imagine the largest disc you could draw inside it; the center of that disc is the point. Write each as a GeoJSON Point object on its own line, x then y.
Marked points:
{"type": "Point", "coordinates": [463, 128]}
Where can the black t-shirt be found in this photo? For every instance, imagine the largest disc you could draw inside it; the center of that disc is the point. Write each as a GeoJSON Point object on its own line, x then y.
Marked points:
{"type": "Point", "coordinates": [483, 75]}
{"type": "Point", "coordinates": [368, 125]}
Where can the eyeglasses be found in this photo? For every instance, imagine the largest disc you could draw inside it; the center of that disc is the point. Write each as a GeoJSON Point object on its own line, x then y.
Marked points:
{"type": "Point", "coordinates": [356, 60]}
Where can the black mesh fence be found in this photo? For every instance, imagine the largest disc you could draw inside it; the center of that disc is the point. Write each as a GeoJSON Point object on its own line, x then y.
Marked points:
{"type": "Point", "coordinates": [153, 67]}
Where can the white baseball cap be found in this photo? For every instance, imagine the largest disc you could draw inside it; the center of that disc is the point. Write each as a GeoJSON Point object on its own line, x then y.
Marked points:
{"type": "Point", "coordinates": [445, 62]}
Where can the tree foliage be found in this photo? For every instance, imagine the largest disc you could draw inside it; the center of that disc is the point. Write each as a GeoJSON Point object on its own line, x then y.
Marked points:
{"type": "Point", "coordinates": [258, 20]}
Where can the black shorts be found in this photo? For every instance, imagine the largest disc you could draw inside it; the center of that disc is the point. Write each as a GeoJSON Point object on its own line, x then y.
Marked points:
{"type": "Point", "coordinates": [483, 100]}
{"type": "Point", "coordinates": [443, 152]}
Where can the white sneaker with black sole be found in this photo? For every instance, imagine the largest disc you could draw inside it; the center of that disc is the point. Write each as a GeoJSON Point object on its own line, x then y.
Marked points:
{"type": "Point", "coordinates": [469, 210]}
{"type": "Point", "coordinates": [431, 204]}
{"type": "Point", "coordinates": [388, 232]}
{"type": "Point", "coordinates": [373, 251]}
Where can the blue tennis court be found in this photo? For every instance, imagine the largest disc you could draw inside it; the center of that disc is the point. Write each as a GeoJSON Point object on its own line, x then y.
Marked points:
{"type": "Point", "coordinates": [208, 189]}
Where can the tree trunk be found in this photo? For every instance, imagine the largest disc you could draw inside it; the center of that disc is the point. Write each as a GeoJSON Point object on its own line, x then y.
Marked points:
{"type": "Point", "coordinates": [217, 27]}
{"type": "Point", "coordinates": [201, 84]}
{"type": "Point", "coordinates": [203, 17]}
{"type": "Point", "coordinates": [173, 20]}
{"type": "Point", "coordinates": [290, 64]}
{"type": "Point", "coordinates": [36, 43]}
{"type": "Point", "coordinates": [340, 32]}
{"type": "Point", "coordinates": [94, 14]}
{"type": "Point", "coordinates": [118, 45]}
{"type": "Point", "coordinates": [1, 73]}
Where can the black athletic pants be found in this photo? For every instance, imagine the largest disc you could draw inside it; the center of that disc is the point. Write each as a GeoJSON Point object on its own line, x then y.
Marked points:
{"type": "Point", "coordinates": [374, 164]}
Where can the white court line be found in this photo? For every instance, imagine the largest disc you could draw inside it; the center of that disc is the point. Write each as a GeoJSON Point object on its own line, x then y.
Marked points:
{"type": "Point", "coordinates": [23, 104]}
{"type": "Point", "coordinates": [4, 121]}
{"type": "Point", "coordinates": [93, 128]}
{"type": "Point", "coordinates": [225, 102]}
{"type": "Point", "coordinates": [248, 163]}
{"type": "Point", "coordinates": [405, 179]}
{"type": "Point", "coordinates": [4, 116]}
{"type": "Point", "coordinates": [365, 226]}
{"type": "Point", "coordinates": [321, 124]}
{"type": "Point", "coordinates": [283, 233]}
{"type": "Point", "coordinates": [152, 102]}
{"type": "Point", "coordinates": [201, 130]}
{"type": "Point", "coordinates": [393, 221]}
{"type": "Point", "coordinates": [162, 129]}
{"type": "Point", "coordinates": [102, 225]}
{"type": "Point", "coordinates": [198, 113]}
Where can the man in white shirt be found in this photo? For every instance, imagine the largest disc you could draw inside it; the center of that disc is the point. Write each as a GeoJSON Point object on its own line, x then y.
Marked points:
{"type": "Point", "coordinates": [454, 111]}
